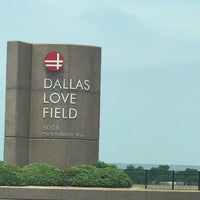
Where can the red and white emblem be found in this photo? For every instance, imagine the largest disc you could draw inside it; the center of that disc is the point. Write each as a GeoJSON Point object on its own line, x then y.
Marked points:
{"type": "Point", "coordinates": [53, 61]}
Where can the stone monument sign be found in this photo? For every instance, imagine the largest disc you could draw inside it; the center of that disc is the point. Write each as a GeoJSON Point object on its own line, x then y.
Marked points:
{"type": "Point", "coordinates": [52, 104]}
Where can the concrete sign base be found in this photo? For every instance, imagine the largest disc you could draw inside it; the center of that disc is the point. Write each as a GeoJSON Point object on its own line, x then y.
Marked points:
{"type": "Point", "coordinates": [52, 104]}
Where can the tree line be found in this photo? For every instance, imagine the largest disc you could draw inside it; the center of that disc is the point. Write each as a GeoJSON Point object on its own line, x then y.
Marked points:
{"type": "Point", "coordinates": [162, 174]}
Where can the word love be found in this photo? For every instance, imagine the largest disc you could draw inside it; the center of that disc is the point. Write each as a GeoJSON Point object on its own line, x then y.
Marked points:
{"type": "Point", "coordinates": [59, 97]}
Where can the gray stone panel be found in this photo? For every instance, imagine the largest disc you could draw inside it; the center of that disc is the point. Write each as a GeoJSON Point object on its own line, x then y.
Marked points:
{"type": "Point", "coordinates": [86, 60]}
{"type": "Point", "coordinates": [19, 63]}
{"type": "Point", "coordinates": [62, 152]}
{"type": "Point", "coordinates": [10, 117]}
{"type": "Point", "coordinates": [17, 117]}
{"type": "Point", "coordinates": [18, 85]}
{"type": "Point", "coordinates": [16, 150]}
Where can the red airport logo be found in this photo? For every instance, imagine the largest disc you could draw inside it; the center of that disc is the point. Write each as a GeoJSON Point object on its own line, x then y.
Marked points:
{"type": "Point", "coordinates": [53, 61]}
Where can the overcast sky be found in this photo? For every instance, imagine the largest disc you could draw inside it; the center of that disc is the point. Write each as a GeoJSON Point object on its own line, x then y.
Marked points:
{"type": "Point", "coordinates": [150, 92]}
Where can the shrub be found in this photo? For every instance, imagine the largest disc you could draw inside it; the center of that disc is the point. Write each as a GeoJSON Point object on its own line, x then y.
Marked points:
{"type": "Point", "coordinates": [100, 164]}
{"type": "Point", "coordinates": [42, 174]}
{"type": "Point", "coordinates": [10, 175]}
{"type": "Point", "coordinates": [99, 175]}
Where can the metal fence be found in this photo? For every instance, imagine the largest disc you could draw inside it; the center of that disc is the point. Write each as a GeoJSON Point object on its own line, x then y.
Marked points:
{"type": "Point", "coordinates": [169, 180]}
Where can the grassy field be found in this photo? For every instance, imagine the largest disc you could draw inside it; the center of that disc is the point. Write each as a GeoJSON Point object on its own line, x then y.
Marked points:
{"type": "Point", "coordinates": [167, 187]}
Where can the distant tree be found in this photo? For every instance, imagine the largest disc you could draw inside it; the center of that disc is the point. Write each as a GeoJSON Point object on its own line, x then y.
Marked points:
{"type": "Point", "coordinates": [180, 176]}
{"type": "Point", "coordinates": [137, 175]}
{"type": "Point", "coordinates": [163, 168]}
{"type": "Point", "coordinates": [191, 176]}
{"type": "Point", "coordinates": [160, 173]}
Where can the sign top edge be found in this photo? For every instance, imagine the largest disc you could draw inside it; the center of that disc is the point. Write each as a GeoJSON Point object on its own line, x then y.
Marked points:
{"type": "Point", "coordinates": [60, 44]}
